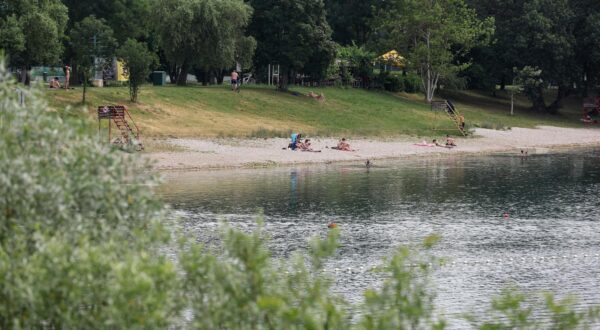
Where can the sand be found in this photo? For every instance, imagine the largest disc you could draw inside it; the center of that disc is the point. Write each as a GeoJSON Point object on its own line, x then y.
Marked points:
{"type": "Point", "coordinates": [232, 153]}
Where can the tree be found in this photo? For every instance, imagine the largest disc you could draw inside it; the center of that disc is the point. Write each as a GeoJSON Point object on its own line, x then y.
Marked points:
{"type": "Point", "coordinates": [32, 32]}
{"type": "Point", "coordinates": [200, 33]}
{"type": "Point", "coordinates": [131, 18]}
{"type": "Point", "coordinates": [138, 62]}
{"type": "Point", "coordinates": [547, 42]}
{"type": "Point", "coordinates": [587, 42]}
{"type": "Point", "coordinates": [357, 61]}
{"type": "Point", "coordinates": [93, 46]}
{"type": "Point", "coordinates": [293, 34]}
{"type": "Point", "coordinates": [433, 35]}
{"type": "Point", "coordinates": [350, 20]}
{"type": "Point", "coordinates": [529, 81]}
{"type": "Point", "coordinates": [551, 35]}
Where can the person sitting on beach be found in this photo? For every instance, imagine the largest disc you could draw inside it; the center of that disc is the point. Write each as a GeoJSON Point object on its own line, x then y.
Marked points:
{"type": "Point", "coordinates": [343, 145]}
{"type": "Point", "coordinates": [306, 146]}
{"type": "Point", "coordinates": [450, 141]}
{"type": "Point", "coordinates": [295, 138]}
{"type": "Point", "coordinates": [55, 83]}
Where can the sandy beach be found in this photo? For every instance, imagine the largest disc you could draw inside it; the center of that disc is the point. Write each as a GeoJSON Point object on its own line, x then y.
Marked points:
{"type": "Point", "coordinates": [231, 153]}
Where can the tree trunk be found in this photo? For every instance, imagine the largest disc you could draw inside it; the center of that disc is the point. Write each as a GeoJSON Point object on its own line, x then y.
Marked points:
{"type": "Point", "coordinates": [205, 78]}
{"type": "Point", "coordinates": [502, 83]}
{"type": "Point", "coordinates": [182, 77]}
{"type": "Point", "coordinates": [586, 85]}
{"type": "Point", "coordinates": [84, 86]}
{"type": "Point", "coordinates": [538, 103]}
{"type": "Point", "coordinates": [173, 74]}
{"type": "Point", "coordinates": [283, 80]}
{"type": "Point", "coordinates": [561, 94]}
{"type": "Point", "coordinates": [25, 78]}
{"type": "Point", "coordinates": [219, 75]}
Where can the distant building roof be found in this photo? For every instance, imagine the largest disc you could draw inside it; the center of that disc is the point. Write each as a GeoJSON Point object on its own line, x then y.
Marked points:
{"type": "Point", "coordinates": [393, 58]}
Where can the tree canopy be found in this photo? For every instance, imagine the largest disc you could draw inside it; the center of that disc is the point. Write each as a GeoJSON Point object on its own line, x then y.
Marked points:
{"type": "Point", "coordinates": [200, 33]}
{"type": "Point", "coordinates": [433, 34]}
{"type": "Point", "coordinates": [32, 32]}
{"type": "Point", "coordinates": [450, 43]}
{"type": "Point", "coordinates": [293, 34]}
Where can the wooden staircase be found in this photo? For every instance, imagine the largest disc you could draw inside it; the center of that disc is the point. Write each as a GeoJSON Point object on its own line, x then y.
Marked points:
{"type": "Point", "coordinates": [129, 131]}
{"type": "Point", "coordinates": [450, 110]}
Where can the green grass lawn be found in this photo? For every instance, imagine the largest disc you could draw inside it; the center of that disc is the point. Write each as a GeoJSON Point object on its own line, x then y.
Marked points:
{"type": "Point", "coordinates": [259, 111]}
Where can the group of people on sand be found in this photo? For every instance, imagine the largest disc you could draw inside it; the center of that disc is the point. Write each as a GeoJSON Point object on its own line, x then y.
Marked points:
{"type": "Point", "coordinates": [449, 143]}
{"type": "Point", "coordinates": [297, 144]}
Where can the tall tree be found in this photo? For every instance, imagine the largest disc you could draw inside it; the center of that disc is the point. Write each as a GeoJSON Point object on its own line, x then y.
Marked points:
{"type": "Point", "coordinates": [547, 42]}
{"type": "Point", "coordinates": [495, 61]}
{"type": "Point", "coordinates": [32, 32]}
{"type": "Point", "coordinates": [433, 35]}
{"type": "Point", "coordinates": [202, 33]}
{"type": "Point", "coordinates": [139, 62]}
{"type": "Point", "coordinates": [130, 17]}
{"type": "Point", "coordinates": [350, 20]}
{"type": "Point", "coordinates": [293, 34]}
{"type": "Point", "coordinates": [93, 45]}
{"type": "Point", "coordinates": [587, 42]}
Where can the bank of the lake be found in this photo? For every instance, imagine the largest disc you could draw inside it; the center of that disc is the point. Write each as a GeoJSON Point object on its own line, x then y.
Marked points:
{"type": "Point", "coordinates": [193, 154]}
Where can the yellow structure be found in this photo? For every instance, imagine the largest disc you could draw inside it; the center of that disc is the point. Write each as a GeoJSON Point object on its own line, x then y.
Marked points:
{"type": "Point", "coordinates": [122, 74]}
{"type": "Point", "coordinates": [393, 59]}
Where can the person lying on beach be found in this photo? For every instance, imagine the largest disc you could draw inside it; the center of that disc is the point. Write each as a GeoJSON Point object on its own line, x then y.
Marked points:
{"type": "Point", "coordinates": [343, 146]}
{"type": "Point", "coordinates": [450, 141]}
{"type": "Point", "coordinates": [425, 144]}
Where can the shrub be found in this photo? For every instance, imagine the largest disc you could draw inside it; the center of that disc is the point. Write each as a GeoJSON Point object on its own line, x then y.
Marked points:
{"type": "Point", "coordinates": [79, 227]}
{"type": "Point", "coordinates": [393, 83]}
{"type": "Point", "coordinates": [412, 83]}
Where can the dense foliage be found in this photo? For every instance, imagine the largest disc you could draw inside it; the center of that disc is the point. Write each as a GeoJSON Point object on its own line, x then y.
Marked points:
{"type": "Point", "coordinates": [31, 32]}
{"type": "Point", "coordinates": [449, 43]}
{"type": "Point", "coordinates": [433, 34]}
{"type": "Point", "coordinates": [200, 33]}
{"type": "Point", "coordinates": [293, 34]}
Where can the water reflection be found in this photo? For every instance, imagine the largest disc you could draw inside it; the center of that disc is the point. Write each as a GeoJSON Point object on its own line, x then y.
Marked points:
{"type": "Point", "coordinates": [549, 241]}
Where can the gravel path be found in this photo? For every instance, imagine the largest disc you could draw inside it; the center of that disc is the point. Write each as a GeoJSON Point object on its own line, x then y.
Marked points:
{"type": "Point", "coordinates": [227, 153]}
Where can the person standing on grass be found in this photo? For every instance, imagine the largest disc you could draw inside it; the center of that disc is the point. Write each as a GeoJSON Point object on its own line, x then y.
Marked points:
{"type": "Point", "coordinates": [67, 76]}
{"type": "Point", "coordinates": [234, 80]}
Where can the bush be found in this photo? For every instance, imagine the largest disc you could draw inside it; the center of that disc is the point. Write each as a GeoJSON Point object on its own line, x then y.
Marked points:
{"type": "Point", "coordinates": [412, 83]}
{"type": "Point", "coordinates": [393, 83]}
{"type": "Point", "coordinates": [79, 227]}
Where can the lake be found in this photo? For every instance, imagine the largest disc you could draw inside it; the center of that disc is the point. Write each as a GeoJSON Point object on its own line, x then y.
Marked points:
{"type": "Point", "coordinates": [550, 240]}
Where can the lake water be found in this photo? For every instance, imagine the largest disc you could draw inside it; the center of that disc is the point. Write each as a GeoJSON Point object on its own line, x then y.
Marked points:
{"type": "Point", "coordinates": [549, 242]}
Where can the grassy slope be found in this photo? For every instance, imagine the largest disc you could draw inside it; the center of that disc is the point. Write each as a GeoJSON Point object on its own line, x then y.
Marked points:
{"type": "Point", "coordinates": [260, 111]}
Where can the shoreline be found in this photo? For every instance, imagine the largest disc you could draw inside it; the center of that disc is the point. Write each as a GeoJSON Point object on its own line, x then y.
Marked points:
{"type": "Point", "coordinates": [214, 154]}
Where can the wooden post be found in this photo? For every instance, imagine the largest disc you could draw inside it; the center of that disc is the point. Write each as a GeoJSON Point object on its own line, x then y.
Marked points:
{"type": "Point", "coordinates": [109, 126]}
